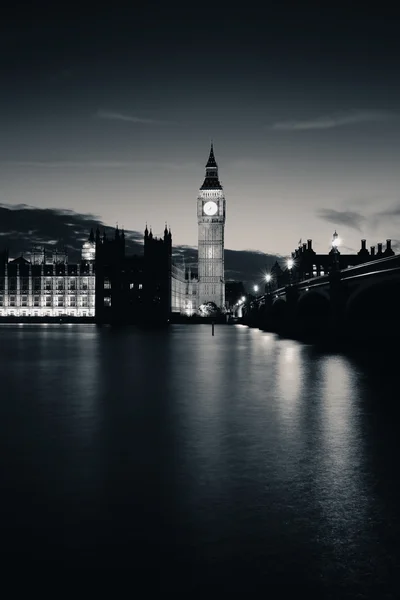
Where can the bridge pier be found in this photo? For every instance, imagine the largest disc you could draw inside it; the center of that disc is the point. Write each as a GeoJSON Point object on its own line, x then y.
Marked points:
{"type": "Point", "coordinates": [289, 325]}
{"type": "Point", "coordinates": [338, 294]}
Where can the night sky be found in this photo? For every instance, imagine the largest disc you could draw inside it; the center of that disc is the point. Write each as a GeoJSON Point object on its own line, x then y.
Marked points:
{"type": "Point", "coordinates": [110, 111]}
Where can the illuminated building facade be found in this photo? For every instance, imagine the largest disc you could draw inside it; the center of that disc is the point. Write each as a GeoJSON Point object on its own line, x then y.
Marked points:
{"type": "Point", "coordinates": [46, 286]}
{"type": "Point", "coordinates": [184, 286]}
{"type": "Point", "coordinates": [89, 249]}
{"type": "Point", "coordinates": [211, 225]}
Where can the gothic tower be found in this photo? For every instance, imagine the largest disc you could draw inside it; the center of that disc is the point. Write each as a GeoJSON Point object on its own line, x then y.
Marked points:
{"type": "Point", "coordinates": [211, 221]}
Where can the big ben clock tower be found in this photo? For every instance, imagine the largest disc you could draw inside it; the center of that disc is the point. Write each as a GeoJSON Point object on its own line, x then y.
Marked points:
{"type": "Point", "coordinates": [211, 221]}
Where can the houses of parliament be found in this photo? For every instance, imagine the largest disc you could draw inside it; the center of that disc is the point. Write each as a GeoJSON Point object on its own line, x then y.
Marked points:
{"type": "Point", "coordinates": [109, 286]}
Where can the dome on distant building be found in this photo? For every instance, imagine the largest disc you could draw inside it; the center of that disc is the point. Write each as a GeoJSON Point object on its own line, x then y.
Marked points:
{"type": "Point", "coordinates": [88, 251]}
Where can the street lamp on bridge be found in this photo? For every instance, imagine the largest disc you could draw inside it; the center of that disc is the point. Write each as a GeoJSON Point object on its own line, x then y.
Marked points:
{"type": "Point", "coordinates": [290, 264]}
{"type": "Point", "coordinates": [268, 280]}
{"type": "Point", "coordinates": [335, 249]}
{"type": "Point", "coordinates": [335, 241]}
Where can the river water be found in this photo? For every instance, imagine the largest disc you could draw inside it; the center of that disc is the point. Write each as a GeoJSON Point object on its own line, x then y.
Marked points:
{"type": "Point", "coordinates": [236, 463]}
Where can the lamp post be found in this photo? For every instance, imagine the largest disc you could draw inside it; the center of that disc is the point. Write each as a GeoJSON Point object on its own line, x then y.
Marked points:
{"type": "Point", "coordinates": [268, 280]}
{"type": "Point", "coordinates": [290, 267]}
{"type": "Point", "coordinates": [255, 288]}
{"type": "Point", "coordinates": [335, 249]}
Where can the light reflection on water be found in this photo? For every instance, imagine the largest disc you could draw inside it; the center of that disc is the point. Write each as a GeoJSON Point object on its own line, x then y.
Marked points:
{"type": "Point", "coordinates": [240, 453]}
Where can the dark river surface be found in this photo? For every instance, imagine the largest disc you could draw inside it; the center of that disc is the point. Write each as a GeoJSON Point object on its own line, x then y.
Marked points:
{"type": "Point", "coordinates": [239, 463]}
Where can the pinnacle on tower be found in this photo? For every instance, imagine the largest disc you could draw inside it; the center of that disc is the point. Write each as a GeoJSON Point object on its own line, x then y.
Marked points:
{"type": "Point", "coordinates": [211, 163]}
{"type": "Point", "coordinates": [211, 182]}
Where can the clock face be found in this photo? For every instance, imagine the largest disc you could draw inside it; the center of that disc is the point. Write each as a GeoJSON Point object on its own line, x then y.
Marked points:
{"type": "Point", "coordinates": [210, 208]}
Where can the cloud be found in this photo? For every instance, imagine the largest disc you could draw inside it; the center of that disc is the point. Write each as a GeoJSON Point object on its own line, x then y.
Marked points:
{"type": "Point", "coordinates": [23, 226]}
{"type": "Point", "coordinates": [396, 246]}
{"type": "Point", "coordinates": [337, 120]}
{"type": "Point", "coordinates": [347, 218]}
{"type": "Point", "coordinates": [117, 116]}
{"type": "Point", "coordinates": [141, 165]}
{"type": "Point", "coordinates": [185, 255]}
{"type": "Point", "coordinates": [386, 217]}
{"type": "Point", "coordinates": [348, 249]}
{"type": "Point", "coordinates": [394, 211]}
{"type": "Point", "coordinates": [68, 164]}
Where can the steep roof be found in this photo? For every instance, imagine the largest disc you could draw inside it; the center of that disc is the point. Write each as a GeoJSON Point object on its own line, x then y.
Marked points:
{"type": "Point", "coordinates": [211, 181]}
{"type": "Point", "coordinates": [19, 261]}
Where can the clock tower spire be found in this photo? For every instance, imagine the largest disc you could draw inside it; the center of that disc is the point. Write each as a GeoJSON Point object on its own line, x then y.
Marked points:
{"type": "Point", "coordinates": [211, 224]}
{"type": "Point", "coordinates": [211, 181]}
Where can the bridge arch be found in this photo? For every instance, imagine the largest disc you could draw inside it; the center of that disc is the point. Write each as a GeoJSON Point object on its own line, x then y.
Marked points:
{"type": "Point", "coordinates": [278, 309]}
{"type": "Point", "coordinates": [313, 304]}
{"type": "Point", "coordinates": [375, 301]}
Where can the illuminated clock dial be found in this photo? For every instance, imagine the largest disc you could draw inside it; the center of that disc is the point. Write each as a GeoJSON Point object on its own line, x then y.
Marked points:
{"type": "Point", "coordinates": [210, 208]}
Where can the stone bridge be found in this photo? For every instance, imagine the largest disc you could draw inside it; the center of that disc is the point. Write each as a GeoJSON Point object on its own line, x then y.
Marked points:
{"type": "Point", "coordinates": [360, 302]}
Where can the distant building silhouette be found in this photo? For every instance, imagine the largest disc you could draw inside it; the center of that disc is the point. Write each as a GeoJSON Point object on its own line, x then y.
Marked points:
{"type": "Point", "coordinates": [157, 271]}
{"type": "Point", "coordinates": [133, 289]}
{"type": "Point", "coordinates": [307, 263]}
{"type": "Point", "coordinates": [234, 291]}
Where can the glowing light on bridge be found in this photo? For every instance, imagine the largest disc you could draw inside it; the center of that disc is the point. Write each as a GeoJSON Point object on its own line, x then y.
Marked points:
{"type": "Point", "coordinates": [268, 278]}
{"type": "Point", "coordinates": [336, 241]}
{"type": "Point", "coordinates": [290, 263]}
